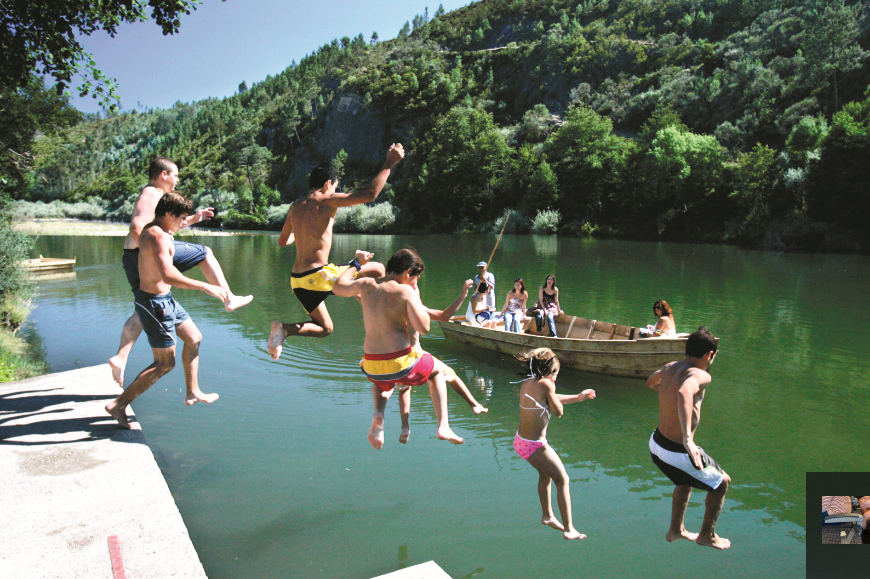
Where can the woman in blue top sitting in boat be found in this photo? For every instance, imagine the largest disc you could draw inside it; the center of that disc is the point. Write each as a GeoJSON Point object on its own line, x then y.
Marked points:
{"type": "Point", "coordinates": [514, 309]}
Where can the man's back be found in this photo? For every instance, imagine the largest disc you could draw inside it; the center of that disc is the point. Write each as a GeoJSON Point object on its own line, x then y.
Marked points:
{"type": "Point", "coordinates": [143, 213]}
{"type": "Point", "coordinates": [385, 313]}
{"type": "Point", "coordinates": [312, 227]}
{"type": "Point", "coordinates": [675, 376]}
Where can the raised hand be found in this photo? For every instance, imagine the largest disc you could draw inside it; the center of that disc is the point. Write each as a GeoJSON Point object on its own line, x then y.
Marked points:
{"type": "Point", "coordinates": [467, 285]}
{"type": "Point", "coordinates": [363, 257]}
{"type": "Point", "coordinates": [587, 394]}
{"type": "Point", "coordinates": [395, 154]}
{"type": "Point", "coordinates": [204, 214]}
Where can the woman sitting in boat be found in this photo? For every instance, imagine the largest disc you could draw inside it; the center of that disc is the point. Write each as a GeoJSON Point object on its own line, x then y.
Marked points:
{"type": "Point", "coordinates": [483, 314]}
{"type": "Point", "coordinates": [515, 306]}
{"type": "Point", "coordinates": [665, 326]}
{"type": "Point", "coordinates": [548, 297]}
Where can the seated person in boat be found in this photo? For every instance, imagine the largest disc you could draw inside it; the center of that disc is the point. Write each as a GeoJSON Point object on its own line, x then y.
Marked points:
{"type": "Point", "coordinates": [450, 376]}
{"type": "Point", "coordinates": [515, 306]}
{"type": "Point", "coordinates": [484, 315]}
{"type": "Point", "coordinates": [864, 504]}
{"type": "Point", "coordinates": [160, 315]}
{"type": "Point", "coordinates": [390, 305]}
{"type": "Point", "coordinates": [665, 326]}
{"type": "Point", "coordinates": [548, 298]}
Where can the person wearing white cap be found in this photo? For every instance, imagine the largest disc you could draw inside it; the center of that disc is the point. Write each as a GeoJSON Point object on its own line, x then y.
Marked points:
{"type": "Point", "coordinates": [490, 281]}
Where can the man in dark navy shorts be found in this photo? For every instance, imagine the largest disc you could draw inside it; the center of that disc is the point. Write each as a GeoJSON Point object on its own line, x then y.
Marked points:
{"type": "Point", "coordinates": [163, 319]}
{"type": "Point", "coordinates": [163, 177]}
{"type": "Point", "coordinates": [681, 387]}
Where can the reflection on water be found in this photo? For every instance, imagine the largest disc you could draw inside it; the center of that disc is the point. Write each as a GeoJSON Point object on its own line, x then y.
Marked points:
{"type": "Point", "coordinates": [277, 478]}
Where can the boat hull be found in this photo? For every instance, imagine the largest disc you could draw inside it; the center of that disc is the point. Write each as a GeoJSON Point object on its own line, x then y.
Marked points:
{"type": "Point", "coordinates": [626, 358]}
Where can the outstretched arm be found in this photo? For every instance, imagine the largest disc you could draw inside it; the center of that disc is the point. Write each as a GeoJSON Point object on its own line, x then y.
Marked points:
{"type": "Point", "coordinates": [347, 287]}
{"type": "Point", "coordinates": [370, 193]}
{"type": "Point", "coordinates": [202, 215]}
{"type": "Point", "coordinates": [572, 398]}
{"type": "Point", "coordinates": [445, 314]}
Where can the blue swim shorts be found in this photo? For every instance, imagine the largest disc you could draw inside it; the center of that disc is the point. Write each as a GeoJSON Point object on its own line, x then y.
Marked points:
{"type": "Point", "coordinates": [187, 256]}
{"type": "Point", "coordinates": [159, 315]}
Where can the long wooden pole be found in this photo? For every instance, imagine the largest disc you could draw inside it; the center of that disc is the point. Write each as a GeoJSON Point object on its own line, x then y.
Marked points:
{"type": "Point", "coordinates": [489, 261]}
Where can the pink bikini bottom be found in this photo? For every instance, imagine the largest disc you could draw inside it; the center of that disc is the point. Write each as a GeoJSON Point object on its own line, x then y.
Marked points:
{"type": "Point", "coordinates": [525, 448]}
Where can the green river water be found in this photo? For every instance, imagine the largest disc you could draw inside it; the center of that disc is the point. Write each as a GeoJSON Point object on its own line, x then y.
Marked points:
{"type": "Point", "coordinates": [277, 478]}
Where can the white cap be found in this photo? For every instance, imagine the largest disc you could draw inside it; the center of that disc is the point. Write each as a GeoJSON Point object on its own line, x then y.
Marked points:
{"type": "Point", "coordinates": [481, 264]}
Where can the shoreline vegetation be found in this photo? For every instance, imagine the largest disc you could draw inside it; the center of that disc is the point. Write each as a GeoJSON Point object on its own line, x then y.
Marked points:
{"type": "Point", "coordinates": [19, 357]}
{"type": "Point", "coordinates": [795, 234]}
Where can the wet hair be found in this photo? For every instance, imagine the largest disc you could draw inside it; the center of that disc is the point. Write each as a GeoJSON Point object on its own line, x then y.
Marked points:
{"type": "Point", "coordinates": [320, 175]}
{"type": "Point", "coordinates": [541, 361]}
{"type": "Point", "coordinates": [403, 260]}
{"type": "Point", "coordinates": [482, 288]}
{"type": "Point", "coordinates": [158, 165]}
{"type": "Point", "coordinates": [522, 284]}
{"type": "Point", "coordinates": [666, 309]}
{"type": "Point", "coordinates": [700, 342]}
{"type": "Point", "coordinates": [174, 203]}
{"type": "Point", "coordinates": [548, 277]}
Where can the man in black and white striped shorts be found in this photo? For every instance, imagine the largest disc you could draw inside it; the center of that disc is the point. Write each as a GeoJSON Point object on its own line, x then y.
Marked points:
{"type": "Point", "coordinates": [681, 387]}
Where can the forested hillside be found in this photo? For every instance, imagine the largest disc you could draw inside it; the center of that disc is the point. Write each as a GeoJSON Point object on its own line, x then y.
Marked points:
{"type": "Point", "coordinates": [703, 120]}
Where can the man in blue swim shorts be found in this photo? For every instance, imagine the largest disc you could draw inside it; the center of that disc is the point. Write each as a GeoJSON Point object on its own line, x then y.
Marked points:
{"type": "Point", "coordinates": [681, 387]}
{"type": "Point", "coordinates": [309, 223]}
{"type": "Point", "coordinates": [162, 318]}
{"type": "Point", "coordinates": [163, 177]}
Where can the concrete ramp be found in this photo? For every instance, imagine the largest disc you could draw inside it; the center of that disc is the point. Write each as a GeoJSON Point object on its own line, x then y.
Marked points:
{"type": "Point", "coordinates": [429, 570]}
{"type": "Point", "coordinates": [71, 479]}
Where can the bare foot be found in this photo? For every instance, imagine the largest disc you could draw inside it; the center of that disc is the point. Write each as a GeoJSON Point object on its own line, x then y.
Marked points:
{"type": "Point", "coordinates": [479, 409]}
{"type": "Point", "coordinates": [573, 534]}
{"type": "Point", "coordinates": [376, 432]}
{"type": "Point", "coordinates": [117, 366]}
{"type": "Point", "coordinates": [276, 338]}
{"type": "Point", "coordinates": [118, 413]}
{"type": "Point", "coordinates": [447, 434]}
{"type": "Point", "coordinates": [683, 534]}
{"type": "Point", "coordinates": [715, 541]}
{"type": "Point", "coordinates": [234, 302]}
{"type": "Point", "coordinates": [406, 434]}
{"type": "Point", "coordinates": [552, 522]}
{"type": "Point", "coordinates": [199, 396]}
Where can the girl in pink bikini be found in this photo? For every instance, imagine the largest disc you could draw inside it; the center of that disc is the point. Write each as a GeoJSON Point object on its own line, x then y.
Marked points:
{"type": "Point", "coordinates": [538, 400]}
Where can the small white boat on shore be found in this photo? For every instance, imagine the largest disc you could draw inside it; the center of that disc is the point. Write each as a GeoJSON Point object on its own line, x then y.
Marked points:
{"type": "Point", "coordinates": [44, 264]}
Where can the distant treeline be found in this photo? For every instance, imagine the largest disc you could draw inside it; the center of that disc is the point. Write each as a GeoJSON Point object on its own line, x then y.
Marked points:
{"type": "Point", "coordinates": [745, 121]}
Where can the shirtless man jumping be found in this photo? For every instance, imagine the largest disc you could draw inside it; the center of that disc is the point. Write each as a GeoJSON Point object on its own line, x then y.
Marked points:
{"type": "Point", "coordinates": [390, 305]}
{"type": "Point", "coordinates": [681, 387]}
{"type": "Point", "coordinates": [159, 313]}
{"type": "Point", "coordinates": [163, 177]}
{"type": "Point", "coordinates": [309, 221]}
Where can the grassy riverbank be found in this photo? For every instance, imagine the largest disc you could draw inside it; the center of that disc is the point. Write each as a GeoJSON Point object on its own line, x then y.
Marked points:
{"type": "Point", "coordinates": [18, 358]}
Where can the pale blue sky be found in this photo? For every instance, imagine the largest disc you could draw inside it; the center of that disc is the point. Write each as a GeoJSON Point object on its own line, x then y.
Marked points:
{"type": "Point", "coordinates": [223, 43]}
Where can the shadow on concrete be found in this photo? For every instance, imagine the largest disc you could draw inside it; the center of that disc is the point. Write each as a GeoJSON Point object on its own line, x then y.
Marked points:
{"type": "Point", "coordinates": [35, 410]}
{"type": "Point", "coordinates": [19, 402]}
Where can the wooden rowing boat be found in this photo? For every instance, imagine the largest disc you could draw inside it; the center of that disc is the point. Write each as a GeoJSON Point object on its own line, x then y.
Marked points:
{"type": "Point", "coordinates": [588, 345]}
{"type": "Point", "coordinates": [42, 264]}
